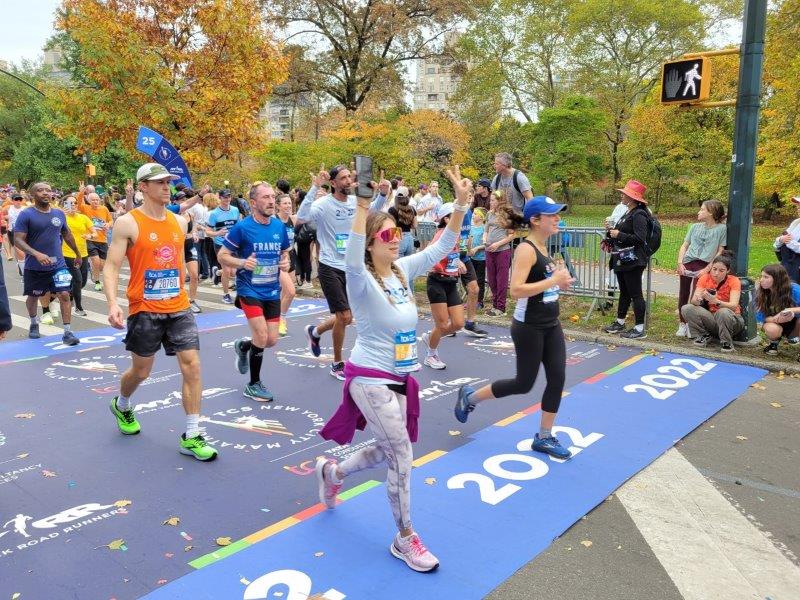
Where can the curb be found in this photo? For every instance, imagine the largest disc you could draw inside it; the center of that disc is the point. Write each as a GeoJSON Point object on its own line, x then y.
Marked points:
{"type": "Point", "coordinates": [609, 340]}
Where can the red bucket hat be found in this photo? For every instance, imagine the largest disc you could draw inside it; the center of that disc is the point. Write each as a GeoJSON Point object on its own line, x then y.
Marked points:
{"type": "Point", "coordinates": [634, 189]}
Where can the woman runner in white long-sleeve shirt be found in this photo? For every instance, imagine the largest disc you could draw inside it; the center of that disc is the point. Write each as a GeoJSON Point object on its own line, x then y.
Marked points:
{"type": "Point", "coordinates": [378, 387]}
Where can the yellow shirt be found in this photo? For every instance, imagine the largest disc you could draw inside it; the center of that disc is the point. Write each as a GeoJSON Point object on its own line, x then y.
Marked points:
{"type": "Point", "coordinates": [80, 225]}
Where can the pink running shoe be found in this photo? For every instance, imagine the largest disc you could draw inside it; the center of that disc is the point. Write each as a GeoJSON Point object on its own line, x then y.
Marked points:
{"type": "Point", "coordinates": [414, 553]}
{"type": "Point", "coordinates": [327, 490]}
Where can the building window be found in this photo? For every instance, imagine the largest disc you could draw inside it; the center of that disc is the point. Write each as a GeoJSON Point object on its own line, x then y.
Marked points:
{"type": "Point", "coordinates": [433, 97]}
{"type": "Point", "coordinates": [284, 112]}
{"type": "Point", "coordinates": [431, 70]}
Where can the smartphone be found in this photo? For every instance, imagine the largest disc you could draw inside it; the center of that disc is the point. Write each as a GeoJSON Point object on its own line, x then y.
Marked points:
{"type": "Point", "coordinates": [363, 176]}
{"type": "Point", "coordinates": [712, 292]}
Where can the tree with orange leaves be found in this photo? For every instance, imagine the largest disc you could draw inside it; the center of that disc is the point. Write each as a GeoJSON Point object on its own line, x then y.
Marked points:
{"type": "Point", "coordinates": [197, 71]}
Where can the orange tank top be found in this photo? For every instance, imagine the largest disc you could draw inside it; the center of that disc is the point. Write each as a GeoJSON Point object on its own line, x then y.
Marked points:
{"type": "Point", "coordinates": [156, 261]}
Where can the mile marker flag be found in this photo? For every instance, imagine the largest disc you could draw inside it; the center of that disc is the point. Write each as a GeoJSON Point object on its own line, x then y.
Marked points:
{"type": "Point", "coordinates": [161, 151]}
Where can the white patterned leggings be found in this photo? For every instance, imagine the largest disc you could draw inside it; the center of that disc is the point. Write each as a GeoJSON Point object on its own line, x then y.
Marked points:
{"type": "Point", "coordinates": [385, 411]}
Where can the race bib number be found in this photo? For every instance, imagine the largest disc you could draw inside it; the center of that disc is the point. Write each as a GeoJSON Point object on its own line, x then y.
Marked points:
{"type": "Point", "coordinates": [266, 271]}
{"type": "Point", "coordinates": [62, 278]}
{"type": "Point", "coordinates": [99, 223]}
{"type": "Point", "coordinates": [452, 263]}
{"type": "Point", "coordinates": [405, 352]}
{"type": "Point", "coordinates": [290, 234]}
{"type": "Point", "coordinates": [161, 284]}
{"type": "Point", "coordinates": [551, 294]}
{"type": "Point", "coordinates": [341, 242]}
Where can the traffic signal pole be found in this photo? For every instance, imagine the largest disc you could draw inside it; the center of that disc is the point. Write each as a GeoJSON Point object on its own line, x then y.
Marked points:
{"type": "Point", "coordinates": [743, 161]}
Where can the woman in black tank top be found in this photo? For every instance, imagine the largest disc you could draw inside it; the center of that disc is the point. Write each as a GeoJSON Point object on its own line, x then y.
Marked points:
{"type": "Point", "coordinates": [535, 328]}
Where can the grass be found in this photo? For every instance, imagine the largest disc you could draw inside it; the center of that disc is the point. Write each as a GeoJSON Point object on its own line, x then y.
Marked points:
{"type": "Point", "coordinates": [673, 232]}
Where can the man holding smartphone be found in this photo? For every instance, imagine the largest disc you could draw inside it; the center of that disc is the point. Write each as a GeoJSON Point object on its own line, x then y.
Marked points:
{"type": "Point", "coordinates": [333, 215]}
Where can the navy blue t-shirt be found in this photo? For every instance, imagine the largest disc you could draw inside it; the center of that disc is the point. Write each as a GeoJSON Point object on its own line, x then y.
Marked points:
{"type": "Point", "coordinates": [466, 227]}
{"type": "Point", "coordinates": [267, 242]}
{"type": "Point", "coordinates": [43, 231]}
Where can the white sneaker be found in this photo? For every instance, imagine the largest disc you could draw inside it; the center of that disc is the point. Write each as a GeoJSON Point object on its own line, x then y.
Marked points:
{"type": "Point", "coordinates": [425, 338]}
{"type": "Point", "coordinates": [414, 553]}
{"type": "Point", "coordinates": [434, 362]}
{"type": "Point", "coordinates": [683, 330]}
{"type": "Point", "coordinates": [327, 491]}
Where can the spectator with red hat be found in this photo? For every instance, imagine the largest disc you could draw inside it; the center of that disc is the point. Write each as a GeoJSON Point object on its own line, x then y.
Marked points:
{"type": "Point", "coordinates": [629, 258]}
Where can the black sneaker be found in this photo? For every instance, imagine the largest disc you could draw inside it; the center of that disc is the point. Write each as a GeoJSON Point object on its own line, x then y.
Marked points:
{"type": "Point", "coordinates": [615, 327]}
{"type": "Point", "coordinates": [69, 339]}
{"type": "Point", "coordinates": [702, 340]}
{"type": "Point", "coordinates": [475, 331]}
{"type": "Point", "coordinates": [633, 334]}
{"type": "Point", "coordinates": [33, 332]}
{"type": "Point", "coordinates": [726, 347]}
{"type": "Point", "coordinates": [771, 349]}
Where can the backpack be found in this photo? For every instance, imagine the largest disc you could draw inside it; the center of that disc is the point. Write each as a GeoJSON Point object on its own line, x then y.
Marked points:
{"type": "Point", "coordinates": [653, 241]}
{"type": "Point", "coordinates": [305, 233]}
{"type": "Point", "coordinates": [514, 180]}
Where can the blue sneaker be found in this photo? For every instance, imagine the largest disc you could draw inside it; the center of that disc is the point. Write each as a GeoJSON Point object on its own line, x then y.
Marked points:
{"type": "Point", "coordinates": [313, 341]}
{"type": "Point", "coordinates": [463, 406]}
{"type": "Point", "coordinates": [550, 445]}
{"type": "Point", "coordinates": [242, 362]}
{"type": "Point", "coordinates": [258, 392]}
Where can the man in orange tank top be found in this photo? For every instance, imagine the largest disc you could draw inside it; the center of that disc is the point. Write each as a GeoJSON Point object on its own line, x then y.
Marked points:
{"type": "Point", "coordinates": [152, 239]}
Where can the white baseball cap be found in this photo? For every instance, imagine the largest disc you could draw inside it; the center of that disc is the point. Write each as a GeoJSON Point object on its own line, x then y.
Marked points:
{"type": "Point", "coordinates": [154, 172]}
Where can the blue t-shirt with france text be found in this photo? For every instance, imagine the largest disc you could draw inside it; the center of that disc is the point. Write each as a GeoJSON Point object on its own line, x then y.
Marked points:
{"type": "Point", "coordinates": [267, 242]}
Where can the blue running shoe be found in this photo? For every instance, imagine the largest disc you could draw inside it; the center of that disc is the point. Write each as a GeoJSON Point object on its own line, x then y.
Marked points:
{"type": "Point", "coordinates": [313, 341]}
{"type": "Point", "coordinates": [241, 347]}
{"type": "Point", "coordinates": [258, 392]}
{"type": "Point", "coordinates": [550, 445]}
{"type": "Point", "coordinates": [463, 406]}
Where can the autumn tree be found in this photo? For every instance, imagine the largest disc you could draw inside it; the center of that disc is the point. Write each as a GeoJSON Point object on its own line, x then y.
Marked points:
{"type": "Point", "coordinates": [196, 71]}
{"type": "Point", "coordinates": [357, 47]}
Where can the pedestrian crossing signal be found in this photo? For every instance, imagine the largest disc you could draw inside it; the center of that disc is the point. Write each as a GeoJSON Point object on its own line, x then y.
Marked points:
{"type": "Point", "coordinates": [686, 81]}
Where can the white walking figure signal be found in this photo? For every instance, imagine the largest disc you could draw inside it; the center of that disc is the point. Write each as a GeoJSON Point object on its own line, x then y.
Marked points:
{"type": "Point", "coordinates": [691, 77]}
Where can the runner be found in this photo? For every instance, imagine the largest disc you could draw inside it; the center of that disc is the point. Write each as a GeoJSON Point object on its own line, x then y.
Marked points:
{"type": "Point", "coordinates": [16, 208]}
{"type": "Point", "coordinates": [82, 230]}
{"type": "Point", "coordinates": [39, 232]}
{"type": "Point", "coordinates": [469, 279]}
{"type": "Point", "coordinates": [258, 247]}
{"type": "Point", "coordinates": [152, 240]}
{"type": "Point", "coordinates": [101, 219]}
{"type": "Point", "coordinates": [535, 329]}
{"type": "Point", "coordinates": [447, 308]}
{"type": "Point", "coordinates": [220, 220]}
{"type": "Point", "coordinates": [379, 389]}
{"type": "Point", "coordinates": [333, 214]}
{"type": "Point", "coordinates": [288, 290]}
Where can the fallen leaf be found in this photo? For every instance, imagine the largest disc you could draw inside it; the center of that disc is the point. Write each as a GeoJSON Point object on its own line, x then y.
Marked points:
{"type": "Point", "coordinates": [741, 437]}
{"type": "Point", "coordinates": [168, 555]}
{"type": "Point", "coordinates": [223, 541]}
{"type": "Point", "coordinates": [15, 595]}
{"type": "Point", "coordinates": [619, 547]}
{"type": "Point", "coordinates": [172, 521]}
{"type": "Point", "coordinates": [757, 386]}
{"type": "Point", "coordinates": [161, 581]}
{"type": "Point", "coordinates": [776, 404]}
{"type": "Point", "coordinates": [117, 545]}
{"type": "Point", "coordinates": [430, 480]}
{"type": "Point", "coordinates": [454, 433]}
{"type": "Point", "coordinates": [186, 536]}
{"type": "Point", "coordinates": [122, 503]}
{"type": "Point", "coordinates": [574, 318]}
{"type": "Point", "coordinates": [318, 554]}
{"type": "Point", "coordinates": [187, 548]}
{"type": "Point", "coordinates": [586, 543]}
{"type": "Point", "coordinates": [25, 416]}
{"type": "Point", "coordinates": [78, 412]}
{"type": "Point", "coordinates": [47, 473]}
{"type": "Point", "coordinates": [611, 347]}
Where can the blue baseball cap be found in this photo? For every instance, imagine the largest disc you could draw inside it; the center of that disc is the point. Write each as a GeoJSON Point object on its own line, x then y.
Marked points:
{"type": "Point", "coordinates": [541, 205]}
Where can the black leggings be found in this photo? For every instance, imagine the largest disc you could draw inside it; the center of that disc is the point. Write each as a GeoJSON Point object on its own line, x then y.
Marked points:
{"type": "Point", "coordinates": [304, 261]}
{"type": "Point", "coordinates": [79, 278]}
{"type": "Point", "coordinates": [630, 289]}
{"type": "Point", "coordinates": [480, 273]}
{"type": "Point", "coordinates": [536, 347]}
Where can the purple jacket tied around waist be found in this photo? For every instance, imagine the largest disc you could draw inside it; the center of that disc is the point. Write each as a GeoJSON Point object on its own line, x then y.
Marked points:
{"type": "Point", "coordinates": [341, 427]}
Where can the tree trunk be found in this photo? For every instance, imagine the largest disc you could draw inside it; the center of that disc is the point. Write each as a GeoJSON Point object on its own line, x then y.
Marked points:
{"type": "Point", "coordinates": [566, 192]}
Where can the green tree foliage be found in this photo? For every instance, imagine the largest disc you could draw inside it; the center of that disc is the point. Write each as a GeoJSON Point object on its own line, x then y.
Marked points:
{"type": "Point", "coordinates": [567, 144]}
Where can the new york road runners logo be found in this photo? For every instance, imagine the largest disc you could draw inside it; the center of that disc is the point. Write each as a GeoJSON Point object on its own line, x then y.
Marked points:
{"type": "Point", "coordinates": [265, 428]}
{"type": "Point", "coordinates": [301, 357]}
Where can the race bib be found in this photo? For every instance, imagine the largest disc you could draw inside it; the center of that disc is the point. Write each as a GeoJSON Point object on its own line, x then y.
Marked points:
{"type": "Point", "coordinates": [62, 278]}
{"type": "Point", "coordinates": [341, 242]}
{"type": "Point", "coordinates": [405, 352]}
{"type": "Point", "coordinates": [266, 271]}
{"type": "Point", "coordinates": [290, 234]}
{"type": "Point", "coordinates": [161, 284]}
{"type": "Point", "coordinates": [551, 294]}
{"type": "Point", "coordinates": [99, 223]}
{"type": "Point", "coordinates": [193, 252]}
{"type": "Point", "coordinates": [452, 263]}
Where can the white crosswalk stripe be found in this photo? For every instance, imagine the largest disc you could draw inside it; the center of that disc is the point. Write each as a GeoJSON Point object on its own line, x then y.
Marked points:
{"type": "Point", "coordinates": [90, 315]}
{"type": "Point", "coordinates": [25, 323]}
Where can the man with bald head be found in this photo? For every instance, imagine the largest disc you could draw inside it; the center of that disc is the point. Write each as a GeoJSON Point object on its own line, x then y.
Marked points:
{"type": "Point", "coordinates": [90, 204]}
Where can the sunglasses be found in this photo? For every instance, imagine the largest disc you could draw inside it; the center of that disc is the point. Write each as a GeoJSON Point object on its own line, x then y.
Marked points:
{"type": "Point", "coordinates": [390, 235]}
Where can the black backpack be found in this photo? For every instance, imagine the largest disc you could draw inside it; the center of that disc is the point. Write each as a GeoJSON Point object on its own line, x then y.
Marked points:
{"type": "Point", "coordinates": [514, 179]}
{"type": "Point", "coordinates": [305, 233]}
{"type": "Point", "coordinates": [653, 241]}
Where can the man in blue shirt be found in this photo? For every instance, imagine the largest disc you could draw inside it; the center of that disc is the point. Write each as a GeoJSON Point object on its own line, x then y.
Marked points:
{"type": "Point", "coordinates": [220, 221]}
{"type": "Point", "coordinates": [39, 232]}
{"type": "Point", "coordinates": [258, 246]}
{"type": "Point", "coordinates": [469, 279]}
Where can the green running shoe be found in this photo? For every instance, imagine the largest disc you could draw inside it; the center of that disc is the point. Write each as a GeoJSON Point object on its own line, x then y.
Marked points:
{"type": "Point", "coordinates": [197, 447]}
{"type": "Point", "coordinates": [258, 392]}
{"type": "Point", "coordinates": [126, 420]}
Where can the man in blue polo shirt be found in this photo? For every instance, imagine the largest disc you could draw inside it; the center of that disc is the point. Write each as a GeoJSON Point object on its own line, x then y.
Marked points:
{"type": "Point", "coordinates": [257, 248]}
{"type": "Point", "coordinates": [220, 221]}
